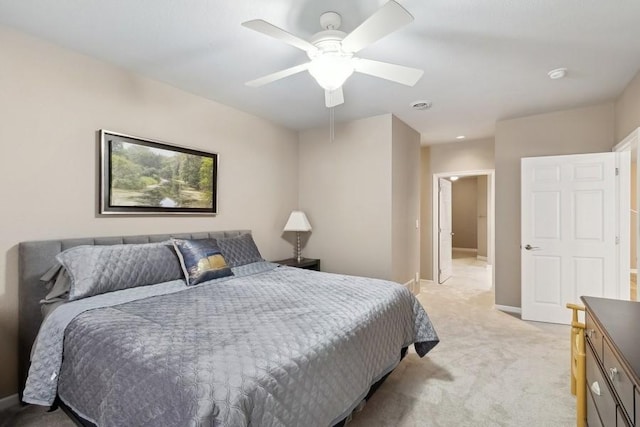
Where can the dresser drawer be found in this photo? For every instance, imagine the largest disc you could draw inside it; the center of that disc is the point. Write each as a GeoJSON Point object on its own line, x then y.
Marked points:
{"type": "Point", "coordinates": [593, 335]}
{"type": "Point", "coordinates": [599, 390]}
{"type": "Point", "coordinates": [620, 381]}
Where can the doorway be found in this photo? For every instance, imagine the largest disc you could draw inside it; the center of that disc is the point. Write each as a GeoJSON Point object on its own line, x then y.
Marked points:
{"type": "Point", "coordinates": [484, 244]}
{"type": "Point", "coordinates": [631, 144]}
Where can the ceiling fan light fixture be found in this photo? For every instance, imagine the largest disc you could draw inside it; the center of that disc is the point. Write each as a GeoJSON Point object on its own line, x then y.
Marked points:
{"type": "Point", "coordinates": [331, 70]}
{"type": "Point", "coordinates": [331, 51]}
{"type": "Point", "coordinates": [558, 73]}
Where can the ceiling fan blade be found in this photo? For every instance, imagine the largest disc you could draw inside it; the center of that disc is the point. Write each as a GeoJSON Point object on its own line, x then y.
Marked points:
{"type": "Point", "coordinates": [333, 97]}
{"type": "Point", "coordinates": [383, 22]}
{"type": "Point", "coordinates": [271, 30]}
{"type": "Point", "coordinates": [278, 75]}
{"type": "Point", "coordinates": [397, 73]}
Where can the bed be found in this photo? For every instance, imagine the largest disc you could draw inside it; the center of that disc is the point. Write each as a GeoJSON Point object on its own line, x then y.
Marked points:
{"type": "Point", "coordinates": [263, 345]}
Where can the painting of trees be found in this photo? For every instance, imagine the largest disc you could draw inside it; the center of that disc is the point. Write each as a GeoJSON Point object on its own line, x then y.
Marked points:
{"type": "Point", "coordinates": [149, 176]}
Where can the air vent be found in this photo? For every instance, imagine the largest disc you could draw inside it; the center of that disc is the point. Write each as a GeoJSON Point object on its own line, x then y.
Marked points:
{"type": "Point", "coordinates": [421, 105]}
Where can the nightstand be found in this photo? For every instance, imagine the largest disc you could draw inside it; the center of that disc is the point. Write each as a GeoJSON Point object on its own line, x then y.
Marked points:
{"type": "Point", "coordinates": [306, 263]}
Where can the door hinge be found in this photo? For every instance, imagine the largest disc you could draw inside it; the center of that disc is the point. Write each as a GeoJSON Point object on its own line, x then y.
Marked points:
{"type": "Point", "coordinates": [617, 171]}
{"type": "Point", "coordinates": [617, 240]}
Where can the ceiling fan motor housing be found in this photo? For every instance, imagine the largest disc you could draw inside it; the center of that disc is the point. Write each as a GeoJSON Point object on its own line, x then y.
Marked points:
{"type": "Point", "coordinates": [327, 41]}
{"type": "Point", "coordinates": [330, 20]}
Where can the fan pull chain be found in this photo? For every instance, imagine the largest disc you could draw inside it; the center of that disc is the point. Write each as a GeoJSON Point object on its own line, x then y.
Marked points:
{"type": "Point", "coordinates": [332, 126]}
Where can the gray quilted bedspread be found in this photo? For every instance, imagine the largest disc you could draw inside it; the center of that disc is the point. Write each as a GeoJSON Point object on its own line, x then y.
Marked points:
{"type": "Point", "coordinates": [285, 347]}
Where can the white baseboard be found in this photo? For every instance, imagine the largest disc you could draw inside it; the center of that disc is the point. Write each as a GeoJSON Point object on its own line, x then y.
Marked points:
{"type": "Point", "coordinates": [481, 258]}
{"type": "Point", "coordinates": [410, 285]}
{"type": "Point", "coordinates": [508, 309]}
{"type": "Point", "coordinates": [413, 286]}
{"type": "Point", "coordinates": [9, 401]}
{"type": "Point", "coordinates": [465, 249]}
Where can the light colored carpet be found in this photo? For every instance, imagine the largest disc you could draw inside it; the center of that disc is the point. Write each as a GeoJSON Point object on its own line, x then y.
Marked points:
{"type": "Point", "coordinates": [490, 368]}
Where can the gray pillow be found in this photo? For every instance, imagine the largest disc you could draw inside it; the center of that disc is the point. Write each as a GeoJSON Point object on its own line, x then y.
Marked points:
{"type": "Point", "coordinates": [239, 250]}
{"type": "Point", "coordinates": [96, 270]}
{"type": "Point", "coordinates": [58, 283]}
{"type": "Point", "coordinates": [51, 274]}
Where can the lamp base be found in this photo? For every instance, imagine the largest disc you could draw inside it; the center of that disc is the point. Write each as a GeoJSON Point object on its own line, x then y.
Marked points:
{"type": "Point", "coordinates": [298, 253]}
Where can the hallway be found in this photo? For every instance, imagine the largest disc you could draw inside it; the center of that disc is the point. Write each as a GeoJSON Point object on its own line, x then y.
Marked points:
{"type": "Point", "coordinates": [468, 271]}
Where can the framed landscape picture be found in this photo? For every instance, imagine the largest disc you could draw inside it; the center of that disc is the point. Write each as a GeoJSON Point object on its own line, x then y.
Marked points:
{"type": "Point", "coordinates": [141, 176]}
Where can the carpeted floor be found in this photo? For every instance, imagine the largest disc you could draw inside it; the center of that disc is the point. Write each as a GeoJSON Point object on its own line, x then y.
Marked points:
{"type": "Point", "coordinates": [490, 368]}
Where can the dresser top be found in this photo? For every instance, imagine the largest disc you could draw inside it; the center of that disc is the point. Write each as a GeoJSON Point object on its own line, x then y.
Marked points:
{"type": "Point", "coordinates": [620, 320]}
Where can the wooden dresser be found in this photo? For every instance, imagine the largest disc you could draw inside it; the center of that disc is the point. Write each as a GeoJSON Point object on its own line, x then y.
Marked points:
{"type": "Point", "coordinates": [612, 329]}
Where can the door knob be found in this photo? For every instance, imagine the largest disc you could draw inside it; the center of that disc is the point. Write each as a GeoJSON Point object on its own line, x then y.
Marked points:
{"type": "Point", "coordinates": [531, 248]}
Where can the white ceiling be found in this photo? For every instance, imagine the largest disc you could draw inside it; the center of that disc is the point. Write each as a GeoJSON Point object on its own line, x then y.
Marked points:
{"type": "Point", "coordinates": [484, 60]}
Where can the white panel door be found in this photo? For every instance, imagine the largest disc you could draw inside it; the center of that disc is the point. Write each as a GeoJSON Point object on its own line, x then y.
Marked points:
{"type": "Point", "coordinates": [445, 266]}
{"type": "Point", "coordinates": [569, 233]}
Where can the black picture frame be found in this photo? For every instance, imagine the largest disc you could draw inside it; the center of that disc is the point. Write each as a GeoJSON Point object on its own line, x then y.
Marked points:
{"type": "Point", "coordinates": [146, 177]}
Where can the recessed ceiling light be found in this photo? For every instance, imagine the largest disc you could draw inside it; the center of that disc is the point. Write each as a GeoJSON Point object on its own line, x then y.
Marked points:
{"type": "Point", "coordinates": [453, 178]}
{"type": "Point", "coordinates": [460, 137]}
{"type": "Point", "coordinates": [558, 73]}
{"type": "Point", "coordinates": [421, 105]}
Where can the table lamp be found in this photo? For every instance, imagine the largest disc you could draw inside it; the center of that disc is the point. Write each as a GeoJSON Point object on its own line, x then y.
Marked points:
{"type": "Point", "coordinates": [297, 222]}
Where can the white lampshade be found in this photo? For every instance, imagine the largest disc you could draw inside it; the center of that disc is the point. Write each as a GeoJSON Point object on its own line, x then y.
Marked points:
{"type": "Point", "coordinates": [297, 222]}
{"type": "Point", "coordinates": [331, 70]}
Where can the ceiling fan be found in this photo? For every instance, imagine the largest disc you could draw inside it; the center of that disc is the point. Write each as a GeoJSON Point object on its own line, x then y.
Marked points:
{"type": "Point", "coordinates": [331, 51]}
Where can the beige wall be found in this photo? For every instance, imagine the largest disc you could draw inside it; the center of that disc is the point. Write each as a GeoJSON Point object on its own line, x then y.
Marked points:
{"type": "Point", "coordinates": [426, 217]}
{"type": "Point", "coordinates": [52, 103]}
{"type": "Point", "coordinates": [345, 189]}
{"type": "Point", "coordinates": [462, 156]}
{"type": "Point", "coordinates": [464, 212]}
{"type": "Point", "coordinates": [361, 194]}
{"type": "Point", "coordinates": [633, 216]}
{"type": "Point", "coordinates": [405, 189]}
{"type": "Point", "coordinates": [456, 157]}
{"type": "Point", "coordinates": [627, 116]}
{"type": "Point", "coordinates": [627, 109]}
{"type": "Point", "coordinates": [483, 214]}
{"type": "Point", "coordinates": [582, 130]}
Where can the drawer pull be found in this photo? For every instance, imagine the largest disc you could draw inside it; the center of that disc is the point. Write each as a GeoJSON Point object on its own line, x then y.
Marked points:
{"type": "Point", "coordinates": [612, 373]}
{"type": "Point", "coordinates": [595, 387]}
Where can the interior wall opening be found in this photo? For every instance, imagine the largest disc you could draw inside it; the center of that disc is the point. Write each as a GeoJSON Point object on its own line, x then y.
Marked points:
{"type": "Point", "coordinates": [630, 143]}
{"type": "Point", "coordinates": [465, 240]}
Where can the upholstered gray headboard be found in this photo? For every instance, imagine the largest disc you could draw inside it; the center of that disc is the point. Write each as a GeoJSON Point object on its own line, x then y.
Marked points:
{"type": "Point", "coordinates": [35, 258]}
